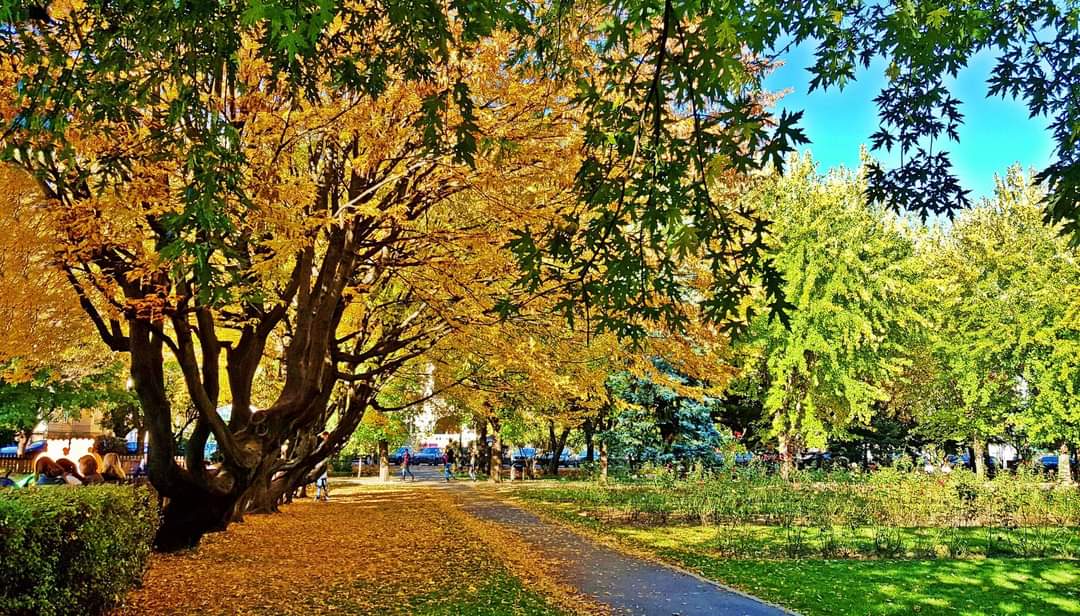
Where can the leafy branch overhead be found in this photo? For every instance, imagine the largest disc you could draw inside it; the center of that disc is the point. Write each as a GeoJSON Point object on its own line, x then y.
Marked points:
{"type": "Point", "coordinates": [669, 89]}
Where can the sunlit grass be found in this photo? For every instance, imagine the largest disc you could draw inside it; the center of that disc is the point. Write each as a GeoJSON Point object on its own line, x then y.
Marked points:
{"type": "Point", "coordinates": [757, 559]}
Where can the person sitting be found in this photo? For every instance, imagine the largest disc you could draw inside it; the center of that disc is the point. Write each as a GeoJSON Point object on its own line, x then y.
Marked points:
{"type": "Point", "coordinates": [47, 472]}
{"type": "Point", "coordinates": [71, 474]}
{"type": "Point", "coordinates": [111, 469]}
{"type": "Point", "coordinates": [88, 468]}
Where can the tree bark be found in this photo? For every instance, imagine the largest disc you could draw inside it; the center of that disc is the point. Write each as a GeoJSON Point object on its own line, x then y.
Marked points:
{"type": "Point", "coordinates": [603, 461]}
{"type": "Point", "coordinates": [557, 446]}
{"type": "Point", "coordinates": [1064, 465]}
{"type": "Point", "coordinates": [189, 515]}
{"type": "Point", "coordinates": [589, 429]}
{"type": "Point", "coordinates": [384, 461]}
{"type": "Point", "coordinates": [482, 449]}
{"type": "Point", "coordinates": [978, 451]}
{"type": "Point", "coordinates": [495, 458]}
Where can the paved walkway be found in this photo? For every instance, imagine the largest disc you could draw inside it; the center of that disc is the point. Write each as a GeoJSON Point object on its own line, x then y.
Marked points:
{"type": "Point", "coordinates": [628, 584]}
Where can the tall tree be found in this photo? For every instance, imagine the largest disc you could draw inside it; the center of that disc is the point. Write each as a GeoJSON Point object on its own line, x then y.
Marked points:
{"type": "Point", "coordinates": [848, 271]}
{"type": "Point", "coordinates": [355, 245]}
{"type": "Point", "coordinates": [1005, 322]}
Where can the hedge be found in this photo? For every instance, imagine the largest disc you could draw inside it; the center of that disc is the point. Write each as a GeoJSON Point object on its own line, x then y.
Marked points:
{"type": "Point", "coordinates": [72, 550]}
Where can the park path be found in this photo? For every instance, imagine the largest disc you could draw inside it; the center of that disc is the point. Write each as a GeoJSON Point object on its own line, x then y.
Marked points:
{"type": "Point", "coordinates": [628, 584]}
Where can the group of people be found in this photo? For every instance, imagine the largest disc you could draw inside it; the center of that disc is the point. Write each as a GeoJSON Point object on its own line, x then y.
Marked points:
{"type": "Point", "coordinates": [449, 458]}
{"type": "Point", "coordinates": [90, 470]}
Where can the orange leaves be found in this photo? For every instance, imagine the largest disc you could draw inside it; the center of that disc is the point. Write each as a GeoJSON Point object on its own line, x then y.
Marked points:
{"type": "Point", "coordinates": [367, 551]}
{"type": "Point", "coordinates": [41, 316]}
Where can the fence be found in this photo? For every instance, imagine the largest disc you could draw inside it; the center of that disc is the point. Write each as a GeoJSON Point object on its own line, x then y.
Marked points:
{"type": "Point", "coordinates": [25, 465]}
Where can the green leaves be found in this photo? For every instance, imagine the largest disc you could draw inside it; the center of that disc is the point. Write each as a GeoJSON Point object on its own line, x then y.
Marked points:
{"type": "Point", "coordinates": [848, 272]}
{"type": "Point", "coordinates": [1006, 334]}
{"type": "Point", "coordinates": [666, 88]}
{"type": "Point", "coordinates": [47, 395]}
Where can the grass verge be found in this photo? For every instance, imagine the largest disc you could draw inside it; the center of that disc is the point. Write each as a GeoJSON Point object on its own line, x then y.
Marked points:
{"type": "Point", "coordinates": [977, 586]}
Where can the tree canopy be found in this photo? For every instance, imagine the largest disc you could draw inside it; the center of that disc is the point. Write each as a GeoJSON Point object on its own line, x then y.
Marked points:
{"type": "Point", "coordinates": [666, 90]}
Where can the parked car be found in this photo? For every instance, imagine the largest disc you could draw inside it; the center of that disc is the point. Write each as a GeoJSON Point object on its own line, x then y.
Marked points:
{"type": "Point", "coordinates": [399, 453]}
{"type": "Point", "coordinates": [566, 459]}
{"type": "Point", "coordinates": [1049, 462]}
{"type": "Point", "coordinates": [428, 455]}
{"type": "Point", "coordinates": [965, 460]}
{"type": "Point", "coordinates": [523, 455]}
{"type": "Point", "coordinates": [32, 449]}
{"type": "Point", "coordinates": [823, 460]}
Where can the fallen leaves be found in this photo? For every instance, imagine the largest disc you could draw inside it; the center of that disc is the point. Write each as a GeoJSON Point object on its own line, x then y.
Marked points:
{"type": "Point", "coordinates": [368, 551]}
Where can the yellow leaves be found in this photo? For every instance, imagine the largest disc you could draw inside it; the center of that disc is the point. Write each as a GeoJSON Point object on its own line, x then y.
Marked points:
{"type": "Point", "coordinates": [368, 550]}
{"type": "Point", "coordinates": [40, 313]}
{"type": "Point", "coordinates": [62, 9]}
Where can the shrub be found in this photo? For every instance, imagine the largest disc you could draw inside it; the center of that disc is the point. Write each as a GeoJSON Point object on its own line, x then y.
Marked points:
{"type": "Point", "coordinates": [72, 550]}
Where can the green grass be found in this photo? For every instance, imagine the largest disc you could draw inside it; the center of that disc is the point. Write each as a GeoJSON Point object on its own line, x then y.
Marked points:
{"type": "Point", "coordinates": [772, 542]}
{"type": "Point", "coordinates": [975, 587]}
{"type": "Point", "coordinates": [980, 586]}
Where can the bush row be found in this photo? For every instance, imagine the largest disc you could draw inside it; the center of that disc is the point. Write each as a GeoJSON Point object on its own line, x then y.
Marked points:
{"type": "Point", "coordinates": [886, 498]}
{"type": "Point", "coordinates": [72, 550]}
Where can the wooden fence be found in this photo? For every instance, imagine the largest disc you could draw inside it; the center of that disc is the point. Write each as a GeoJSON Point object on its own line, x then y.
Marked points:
{"type": "Point", "coordinates": [25, 465]}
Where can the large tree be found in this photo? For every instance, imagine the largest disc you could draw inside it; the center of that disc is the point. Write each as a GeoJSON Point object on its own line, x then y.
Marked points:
{"type": "Point", "coordinates": [849, 272]}
{"type": "Point", "coordinates": [355, 245]}
{"type": "Point", "coordinates": [1004, 323]}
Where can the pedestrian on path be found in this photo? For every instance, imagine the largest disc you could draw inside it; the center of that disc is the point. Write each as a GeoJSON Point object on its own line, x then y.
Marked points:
{"type": "Point", "coordinates": [472, 461]}
{"type": "Point", "coordinates": [448, 463]}
{"type": "Point", "coordinates": [322, 484]}
{"type": "Point", "coordinates": [406, 460]}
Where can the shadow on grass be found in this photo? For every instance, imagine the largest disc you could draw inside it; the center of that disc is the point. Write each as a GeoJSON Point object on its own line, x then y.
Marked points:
{"type": "Point", "coordinates": [854, 587]}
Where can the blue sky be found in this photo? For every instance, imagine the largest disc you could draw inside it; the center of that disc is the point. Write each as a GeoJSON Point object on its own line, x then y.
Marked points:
{"type": "Point", "coordinates": [996, 132]}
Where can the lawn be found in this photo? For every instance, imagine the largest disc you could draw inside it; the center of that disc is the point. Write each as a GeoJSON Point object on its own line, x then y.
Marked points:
{"type": "Point", "coordinates": [972, 587]}
{"type": "Point", "coordinates": [758, 561]}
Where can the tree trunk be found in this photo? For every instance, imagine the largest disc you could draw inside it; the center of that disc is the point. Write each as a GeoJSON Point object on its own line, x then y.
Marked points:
{"type": "Point", "coordinates": [190, 514]}
{"type": "Point", "coordinates": [259, 499]}
{"type": "Point", "coordinates": [495, 459]}
{"type": "Point", "coordinates": [1064, 465]}
{"type": "Point", "coordinates": [551, 449]}
{"type": "Point", "coordinates": [558, 444]}
{"type": "Point", "coordinates": [978, 452]}
{"type": "Point", "coordinates": [603, 461]}
{"type": "Point", "coordinates": [789, 452]}
{"type": "Point", "coordinates": [589, 429]}
{"type": "Point", "coordinates": [384, 461]}
{"type": "Point", "coordinates": [482, 449]}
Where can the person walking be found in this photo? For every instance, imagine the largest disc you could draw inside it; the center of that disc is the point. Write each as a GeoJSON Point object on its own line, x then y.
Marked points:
{"type": "Point", "coordinates": [448, 463]}
{"type": "Point", "coordinates": [406, 461]}
{"type": "Point", "coordinates": [472, 461]}
{"type": "Point", "coordinates": [322, 484]}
